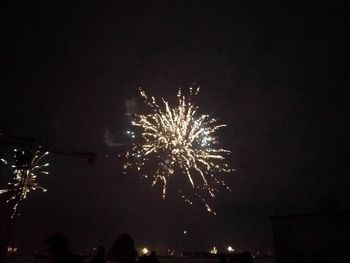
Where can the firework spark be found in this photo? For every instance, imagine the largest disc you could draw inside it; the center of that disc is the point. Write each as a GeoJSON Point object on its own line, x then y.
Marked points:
{"type": "Point", "coordinates": [178, 141]}
{"type": "Point", "coordinates": [26, 168]}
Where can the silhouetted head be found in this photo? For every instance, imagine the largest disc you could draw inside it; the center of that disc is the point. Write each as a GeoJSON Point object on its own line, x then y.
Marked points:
{"type": "Point", "coordinates": [222, 257]}
{"type": "Point", "coordinates": [58, 244]}
{"type": "Point", "coordinates": [123, 249]}
{"type": "Point", "coordinates": [246, 257]}
{"type": "Point", "coordinates": [100, 251]}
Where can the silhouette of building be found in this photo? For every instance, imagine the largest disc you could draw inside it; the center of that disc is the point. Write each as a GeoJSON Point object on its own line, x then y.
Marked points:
{"type": "Point", "coordinates": [320, 237]}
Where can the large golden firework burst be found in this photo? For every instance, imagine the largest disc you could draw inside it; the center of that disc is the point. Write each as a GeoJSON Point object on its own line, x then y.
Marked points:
{"type": "Point", "coordinates": [178, 141]}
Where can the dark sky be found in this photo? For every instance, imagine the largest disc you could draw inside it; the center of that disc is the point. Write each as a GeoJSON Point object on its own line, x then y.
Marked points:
{"type": "Point", "coordinates": [276, 73]}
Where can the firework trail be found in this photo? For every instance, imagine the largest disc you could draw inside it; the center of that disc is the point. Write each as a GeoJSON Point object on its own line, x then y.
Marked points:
{"type": "Point", "coordinates": [26, 168]}
{"type": "Point", "coordinates": [178, 141]}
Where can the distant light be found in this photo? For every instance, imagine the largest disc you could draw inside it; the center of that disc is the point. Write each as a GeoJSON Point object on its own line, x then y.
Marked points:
{"type": "Point", "coordinates": [230, 249]}
{"type": "Point", "coordinates": [213, 251]}
{"type": "Point", "coordinates": [12, 249]}
{"type": "Point", "coordinates": [145, 251]}
{"type": "Point", "coordinates": [185, 232]}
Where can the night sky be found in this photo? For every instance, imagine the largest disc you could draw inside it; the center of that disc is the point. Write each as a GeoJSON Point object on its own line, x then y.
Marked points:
{"type": "Point", "coordinates": [275, 73]}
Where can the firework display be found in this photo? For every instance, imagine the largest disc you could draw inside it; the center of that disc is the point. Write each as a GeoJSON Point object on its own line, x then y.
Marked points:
{"type": "Point", "coordinates": [178, 141]}
{"type": "Point", "coordinates": [26, 168]}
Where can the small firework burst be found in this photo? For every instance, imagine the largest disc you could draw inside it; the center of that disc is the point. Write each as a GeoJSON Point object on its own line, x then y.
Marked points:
{"type": "Point", "coordinates": [26, 168]}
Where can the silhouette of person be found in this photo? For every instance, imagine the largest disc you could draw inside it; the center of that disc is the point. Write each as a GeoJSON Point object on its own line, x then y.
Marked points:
{"type": "Point", "coordinates": [223, 258]}
{"type": "Point", "coordinates": [301, 258]}
{"type": "Point", "coordinates": [152, 258]}
{"type": "Point", "coordinates": [245, 257]}
{"type": "Point", "coordinates": [99, 256]}
{"type": "Point", "coordinates": [58, 248]}
{"type": "Point", "coordinates": [122, 250]}
{"type": "Point", "coordinates": [232, 258]}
